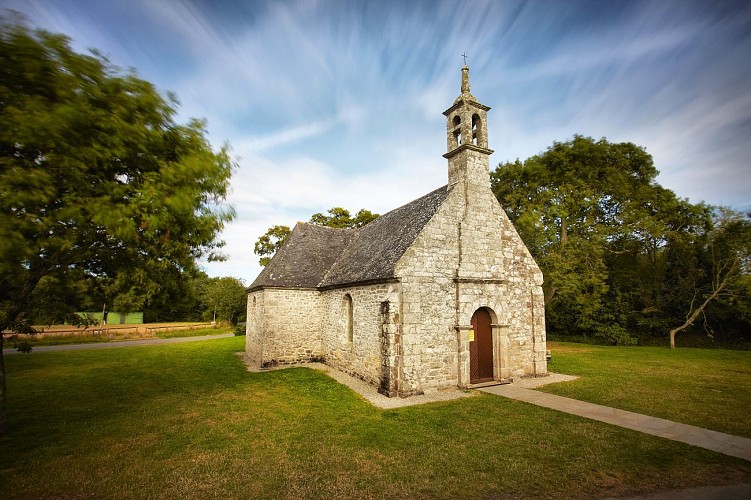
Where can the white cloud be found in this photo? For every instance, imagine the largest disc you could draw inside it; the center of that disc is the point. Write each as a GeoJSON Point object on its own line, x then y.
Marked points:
{"type": "Point", "coordinates": [339, 103]}
{"type": "Point", "coordinates": [256, 144]}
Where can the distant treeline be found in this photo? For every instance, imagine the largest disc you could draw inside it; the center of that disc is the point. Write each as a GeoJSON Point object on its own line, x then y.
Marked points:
{"type": "Point", "coordinates": [114, 317]}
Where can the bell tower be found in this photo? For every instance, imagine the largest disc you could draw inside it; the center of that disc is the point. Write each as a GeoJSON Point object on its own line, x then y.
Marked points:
{"type": "Point", "coordinates": [467, 137]}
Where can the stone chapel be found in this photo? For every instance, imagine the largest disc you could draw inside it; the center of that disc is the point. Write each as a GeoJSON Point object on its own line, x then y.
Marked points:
{"type": "Point", "coordinates": [440, 293]}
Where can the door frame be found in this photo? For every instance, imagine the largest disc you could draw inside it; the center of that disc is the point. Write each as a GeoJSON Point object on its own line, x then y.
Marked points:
{"type": "Point", "coordinates": [482, 348]}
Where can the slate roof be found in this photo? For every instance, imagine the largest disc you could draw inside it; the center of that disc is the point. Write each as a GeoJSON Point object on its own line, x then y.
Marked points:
{"type": "Point", "coordinates": [375, 249]}
{"type": "Point", "coordinates": [317, 256]}
{"type": "Point", "coordinates": [304, 258]}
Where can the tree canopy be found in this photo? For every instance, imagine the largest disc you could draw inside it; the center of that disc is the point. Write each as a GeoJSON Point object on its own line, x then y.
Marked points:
{"type": "Point", "coordinates": [226, 299]}
{"type": "Point", "coordinates": [341, 218]}
{"type": "Point", "coordinates": [97, 180]}
{"type": "Point", "coordinates": [622, 256]}
{"type": "Point", "coordinates": [272, 240]}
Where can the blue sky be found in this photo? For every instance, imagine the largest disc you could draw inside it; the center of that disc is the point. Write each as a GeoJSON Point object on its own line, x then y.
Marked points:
{"type": "Point", "coordinates": [339, 103]}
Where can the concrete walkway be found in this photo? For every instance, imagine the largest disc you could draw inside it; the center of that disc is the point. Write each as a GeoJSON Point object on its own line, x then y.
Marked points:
{"type": "Point", "coordinates": [734, 446]}
{"type": "Point", "coordinates": [118, 343]}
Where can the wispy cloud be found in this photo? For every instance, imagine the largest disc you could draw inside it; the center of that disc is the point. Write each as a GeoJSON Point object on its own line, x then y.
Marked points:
{"type": "Point", "coordinates": [279, 138]}
{"type": "Point", "coordinates": [339, 102]}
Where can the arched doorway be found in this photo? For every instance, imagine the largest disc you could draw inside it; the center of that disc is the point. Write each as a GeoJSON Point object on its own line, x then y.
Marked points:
{"type": "Point", "coordinates": [481, 348]}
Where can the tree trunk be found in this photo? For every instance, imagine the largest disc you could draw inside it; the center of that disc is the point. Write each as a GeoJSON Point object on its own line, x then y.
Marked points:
{"type": "Point", "coordinates": [690, 320]}
{"type": "Point", "coordinates": [4, 325]}
{"type": "Point", "coordinates": [549, 294]}
{"type": "Point", "coordinates": [9, 321]}
{"type": "Point", "coordinates": [3, 414]}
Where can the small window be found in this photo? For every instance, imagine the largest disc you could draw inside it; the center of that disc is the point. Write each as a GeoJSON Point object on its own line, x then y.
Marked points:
{"type": "Point", "coordinates": [475, 129]}
{"type": "Point", "coordinates": [457, 122]}
{"type": "Point", "coordinates": [348, 313]}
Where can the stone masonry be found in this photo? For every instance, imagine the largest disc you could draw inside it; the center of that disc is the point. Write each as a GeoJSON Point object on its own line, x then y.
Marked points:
{"type": "Point", "coordinates": [392, 303]}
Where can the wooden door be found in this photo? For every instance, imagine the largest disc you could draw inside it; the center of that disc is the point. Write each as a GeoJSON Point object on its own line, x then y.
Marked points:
{"type": "Point", "coordinates": [481, 348]}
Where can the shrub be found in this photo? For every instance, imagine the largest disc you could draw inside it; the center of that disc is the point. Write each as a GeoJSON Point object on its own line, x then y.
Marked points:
{"type": "Point", "coordinates": [615, 335]}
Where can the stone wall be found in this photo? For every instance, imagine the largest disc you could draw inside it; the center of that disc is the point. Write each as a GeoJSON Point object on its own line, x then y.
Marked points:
{"type": "Point", "coordinates": [492, 250]}
{"type": "Point", "coordinates": [429, 341]}
{"type": "Point", "coordinates": [284, 327]}
{"type": "Point", "coordinates": [469, 256]}
{"type": "Point", "coordinates": [412, 335]}
{"type": "Point", "coordinates": [362, 356]}
{"type": "Point", "coordinates": [254, 329]}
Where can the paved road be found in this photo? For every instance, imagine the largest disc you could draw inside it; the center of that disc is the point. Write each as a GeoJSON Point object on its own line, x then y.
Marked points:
{"type": "Point", "coordinates": [121, 343]}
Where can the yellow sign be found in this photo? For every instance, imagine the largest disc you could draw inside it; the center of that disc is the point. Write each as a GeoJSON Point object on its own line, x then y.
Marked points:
{"type": "Point", "coordinates": [471, 335]}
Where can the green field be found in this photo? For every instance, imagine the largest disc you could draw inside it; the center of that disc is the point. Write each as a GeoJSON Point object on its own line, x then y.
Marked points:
{"type": "Point", "coordinates": [188, 421]}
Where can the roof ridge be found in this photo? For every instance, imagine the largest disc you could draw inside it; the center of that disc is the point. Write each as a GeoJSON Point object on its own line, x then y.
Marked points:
{"type": "Point", "coordinates": [320, 226]}
{"type": "Point", "coordinates": [316, 256]}
{"type": "Point", "coordinates": [304, 257]}
{"type": "Point", "coordinates": [343, 270]}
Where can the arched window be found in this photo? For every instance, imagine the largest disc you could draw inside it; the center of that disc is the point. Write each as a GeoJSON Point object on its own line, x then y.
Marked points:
{"type": "Point", "coordinates": [457, 123]}
{"type": "Point", "coordinates": [476, 127]}
{"type": "Point", "coordinates": [348, 313]}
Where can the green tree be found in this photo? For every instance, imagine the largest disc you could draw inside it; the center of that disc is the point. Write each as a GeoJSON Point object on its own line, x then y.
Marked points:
{"type": "Point", "coordinates": [623, 256]}
{"type": "Point", "coordinates": [652, 270]}
{"type": "Point", "coordinates": [269, 243]}
{"type": "Point", "coordinates": [96, 178]}
{"type": "Point", "coordinates": [129, 291]}
{"type": "Point", "coordinates": [55, 300]}
{"type": "Point", "coordinates": [176, 299]}
{"type": "Point", "coordinates": [574, 205]}
{"type": "Point", "coordinates": [341, 218]}
{"type": "Point", "coordinates": [226, 299]}
{"type": "Point", "coordinates": [728, 270]}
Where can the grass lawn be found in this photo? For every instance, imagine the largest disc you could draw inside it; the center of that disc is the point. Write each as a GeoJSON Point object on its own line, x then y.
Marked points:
{"type": "Point", "coordinates": [705, 387]}
{"type": "Point", "coordinates": [187, 421]}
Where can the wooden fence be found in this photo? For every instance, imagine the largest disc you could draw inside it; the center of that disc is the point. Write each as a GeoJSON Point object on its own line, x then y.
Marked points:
{"type": "Point", "coordinates": [142, 330]}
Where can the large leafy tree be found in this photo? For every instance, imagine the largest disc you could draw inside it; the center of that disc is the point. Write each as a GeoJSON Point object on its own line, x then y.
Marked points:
{"type": "Point", "coordinates": [272, 240]}
{"type": "Point", "coordinates": [96, 178]}
{"type": "Point", "coordinates": [621, 255]}
{"type": "Point", "coordinates": [577, 205]}
{"type": "Point", "coordinates": [653, 266]}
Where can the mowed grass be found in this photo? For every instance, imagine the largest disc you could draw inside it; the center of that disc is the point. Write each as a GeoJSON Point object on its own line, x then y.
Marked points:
{"type": "Point", "coordinates": [188, 421]}
{"type": "Point", "coordinates": [704, 387]}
